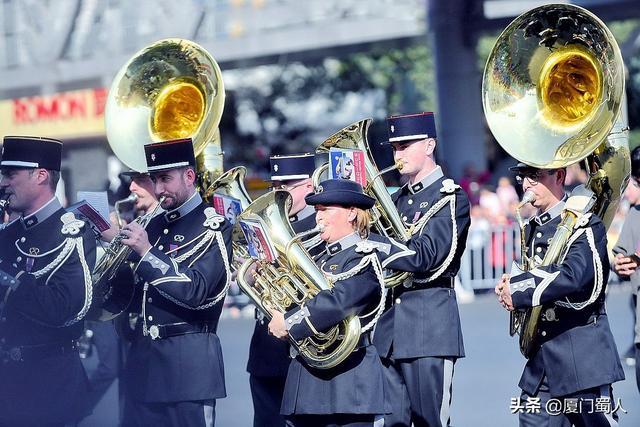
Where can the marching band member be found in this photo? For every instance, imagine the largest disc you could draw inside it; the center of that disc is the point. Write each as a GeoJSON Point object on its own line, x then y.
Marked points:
{"type": "Point", "coordinates": [46, 258]}
{"type": "Point", "coordinates": [351, 394]}
{"type": "Point", "coordinates": [576, 356]}
{"type": "Point", "coordinates": [174, 370]}
{"type": "Point", "coordinates": [269, 357]}
{"type": "Point", "coordinates": [419, 337]}
{"type": "Point", "coordinates": [109, 349]}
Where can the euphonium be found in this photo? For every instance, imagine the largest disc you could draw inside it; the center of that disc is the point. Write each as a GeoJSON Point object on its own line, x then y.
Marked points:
{"type": "Point", "coordinates": [291, 279]}
{"type": "Point", "coordinates": [386, 220]}
{"type": "Point", "coordinates": [553, 88]}
{"type": "Point", "coordinates": [116, 253]}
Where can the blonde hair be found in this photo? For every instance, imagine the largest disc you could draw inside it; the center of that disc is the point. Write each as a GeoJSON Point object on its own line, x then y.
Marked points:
{"type": "Point", "coordinates": [362, 222]}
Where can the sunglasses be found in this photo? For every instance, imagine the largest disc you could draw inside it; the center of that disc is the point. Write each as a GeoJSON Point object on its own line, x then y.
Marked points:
{"type": "Point", "coordinates": [533, 177]}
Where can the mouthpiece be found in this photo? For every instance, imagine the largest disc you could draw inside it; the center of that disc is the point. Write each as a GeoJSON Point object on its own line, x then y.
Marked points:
{"type": "Point", "coordinates": [131, 198]}
{"type": "Point", "coordinates": [528, 197]}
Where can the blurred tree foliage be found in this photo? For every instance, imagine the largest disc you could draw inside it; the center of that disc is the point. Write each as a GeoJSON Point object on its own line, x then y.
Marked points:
{"type": "Point", "coordinates": [273, 99]}
{"type": "Point", "coordinates": [406, 75]}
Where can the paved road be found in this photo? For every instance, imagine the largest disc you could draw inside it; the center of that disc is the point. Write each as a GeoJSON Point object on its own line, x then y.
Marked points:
{"type": "Point", "coordinates": [484, 382]}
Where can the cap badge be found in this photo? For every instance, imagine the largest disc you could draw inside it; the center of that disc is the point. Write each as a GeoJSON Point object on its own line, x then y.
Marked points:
{"type": "Point", "coordinates": [393, 128]}
{"type": "Point", "coordinates": [153, 157]}
{"type": "Point", "coordinates": [275, 168]}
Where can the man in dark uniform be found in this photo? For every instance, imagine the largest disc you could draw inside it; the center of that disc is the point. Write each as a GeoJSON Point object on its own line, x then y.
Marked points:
{"type": "Point", "coordinates": [46, 258]}
{"type": "Point", "coordinates": [269, 357]}
{"type": "Point", "coordinates": [351, 393]}
{"type": "Point", "coordinates": [419, 337]}
{"type": "Point", "coordinates": [575, 358]}
{"type": "Point", "coordinates": [174, 370]}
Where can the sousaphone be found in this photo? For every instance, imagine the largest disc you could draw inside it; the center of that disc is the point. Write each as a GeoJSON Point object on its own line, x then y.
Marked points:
{"type": "Point", "coordinates": [553, 95]}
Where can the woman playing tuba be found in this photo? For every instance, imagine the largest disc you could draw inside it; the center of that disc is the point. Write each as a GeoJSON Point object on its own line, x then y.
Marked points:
{"type": "Point", "coordinates": [350, 262]}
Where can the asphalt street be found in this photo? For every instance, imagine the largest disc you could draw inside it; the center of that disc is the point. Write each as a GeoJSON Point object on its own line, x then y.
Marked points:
{"type": "Point", "coordinates": [484, 382]}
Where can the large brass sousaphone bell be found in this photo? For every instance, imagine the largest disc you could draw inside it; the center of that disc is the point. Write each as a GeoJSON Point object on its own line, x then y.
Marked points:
{"type": "Point", "coordinates": [171, 89]}
{"type": "Point", "coordinates": [553, 86]}
{"type": "Point", "coordinates": [552, 92]}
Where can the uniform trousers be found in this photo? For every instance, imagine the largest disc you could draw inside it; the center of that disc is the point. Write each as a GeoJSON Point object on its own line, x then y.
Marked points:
{"type": "Point", "coordinates": [266, 393]}
{"type": "Point", "coordinates": [419, 391]}
{"type": "Point", "coordinates": [581, 419]}
{"type": "Point", "coordinates": [200, 413]}
{"type": "Point", "coordinates": [335, 420]}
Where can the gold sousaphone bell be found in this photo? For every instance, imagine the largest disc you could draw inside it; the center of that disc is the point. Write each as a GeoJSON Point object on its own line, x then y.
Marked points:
{"type": "Point", "coordinates": [169, 90]}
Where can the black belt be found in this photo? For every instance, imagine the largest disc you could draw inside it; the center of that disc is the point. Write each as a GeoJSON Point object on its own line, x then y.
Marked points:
{"type": "Point", "coordinates": [182, 328]}
{"type": "Point", "coordinates": [31, 353]}
{"type": "Point", "coordinates": [440, 282]}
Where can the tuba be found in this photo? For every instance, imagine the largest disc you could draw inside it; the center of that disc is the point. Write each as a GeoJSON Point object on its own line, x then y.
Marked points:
{"type": "Point", "coordinates": [291, 279]}
{"type": "Point", "coordinates": [171, 89]}
{"type": "Point", "coordinates": [386, 220]}
{"type": "Point", "coordinates": [553, 95]}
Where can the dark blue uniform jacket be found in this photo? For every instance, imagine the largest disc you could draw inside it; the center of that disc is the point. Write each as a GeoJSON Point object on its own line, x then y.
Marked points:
{"type": "Point", "coordinates": [356, 386]}
{"type": "Point", "coordinates": [45, 290]}
{"type": "Point", "coordinates": [183, 279]}
{"type": "Point", "coordinates": [422, 319]}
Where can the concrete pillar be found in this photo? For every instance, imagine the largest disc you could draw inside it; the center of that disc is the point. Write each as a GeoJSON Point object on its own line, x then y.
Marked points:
{"type": "Point", "coordinates": [459, 115]}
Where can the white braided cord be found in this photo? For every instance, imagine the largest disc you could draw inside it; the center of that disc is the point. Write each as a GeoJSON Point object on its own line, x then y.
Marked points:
{"type": "Point", "coordinates": [598, 279]}
{"type": "Point", "coordinates": [57, 248]}
{"type": "Point", "coordinates": [364, 262]}
{"type": "Point", "coordinates": [451, 199]}
{"type": "Point", "coordinates": [69, 245]}
{"type": "Point", "coordinates": [88, 284]}
{"type": "Point", "coordinates": [208, 240]}
{"type": "Point", "coordinates": [50, 269]}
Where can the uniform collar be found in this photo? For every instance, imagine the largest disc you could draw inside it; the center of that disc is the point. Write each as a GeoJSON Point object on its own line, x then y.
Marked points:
{"type": "Point", "coordinates": [432, 177]}
{"type": "Point", "coordinates": [551, 213]}
{"type": "Point", "coordinates": [342, 244]}
{"type": "Point", "coordinates": [191, 203]}
{"type": "Point", "coordinates": [304, 213]}
{"type": "Point", "coordinates": [41, 214]}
